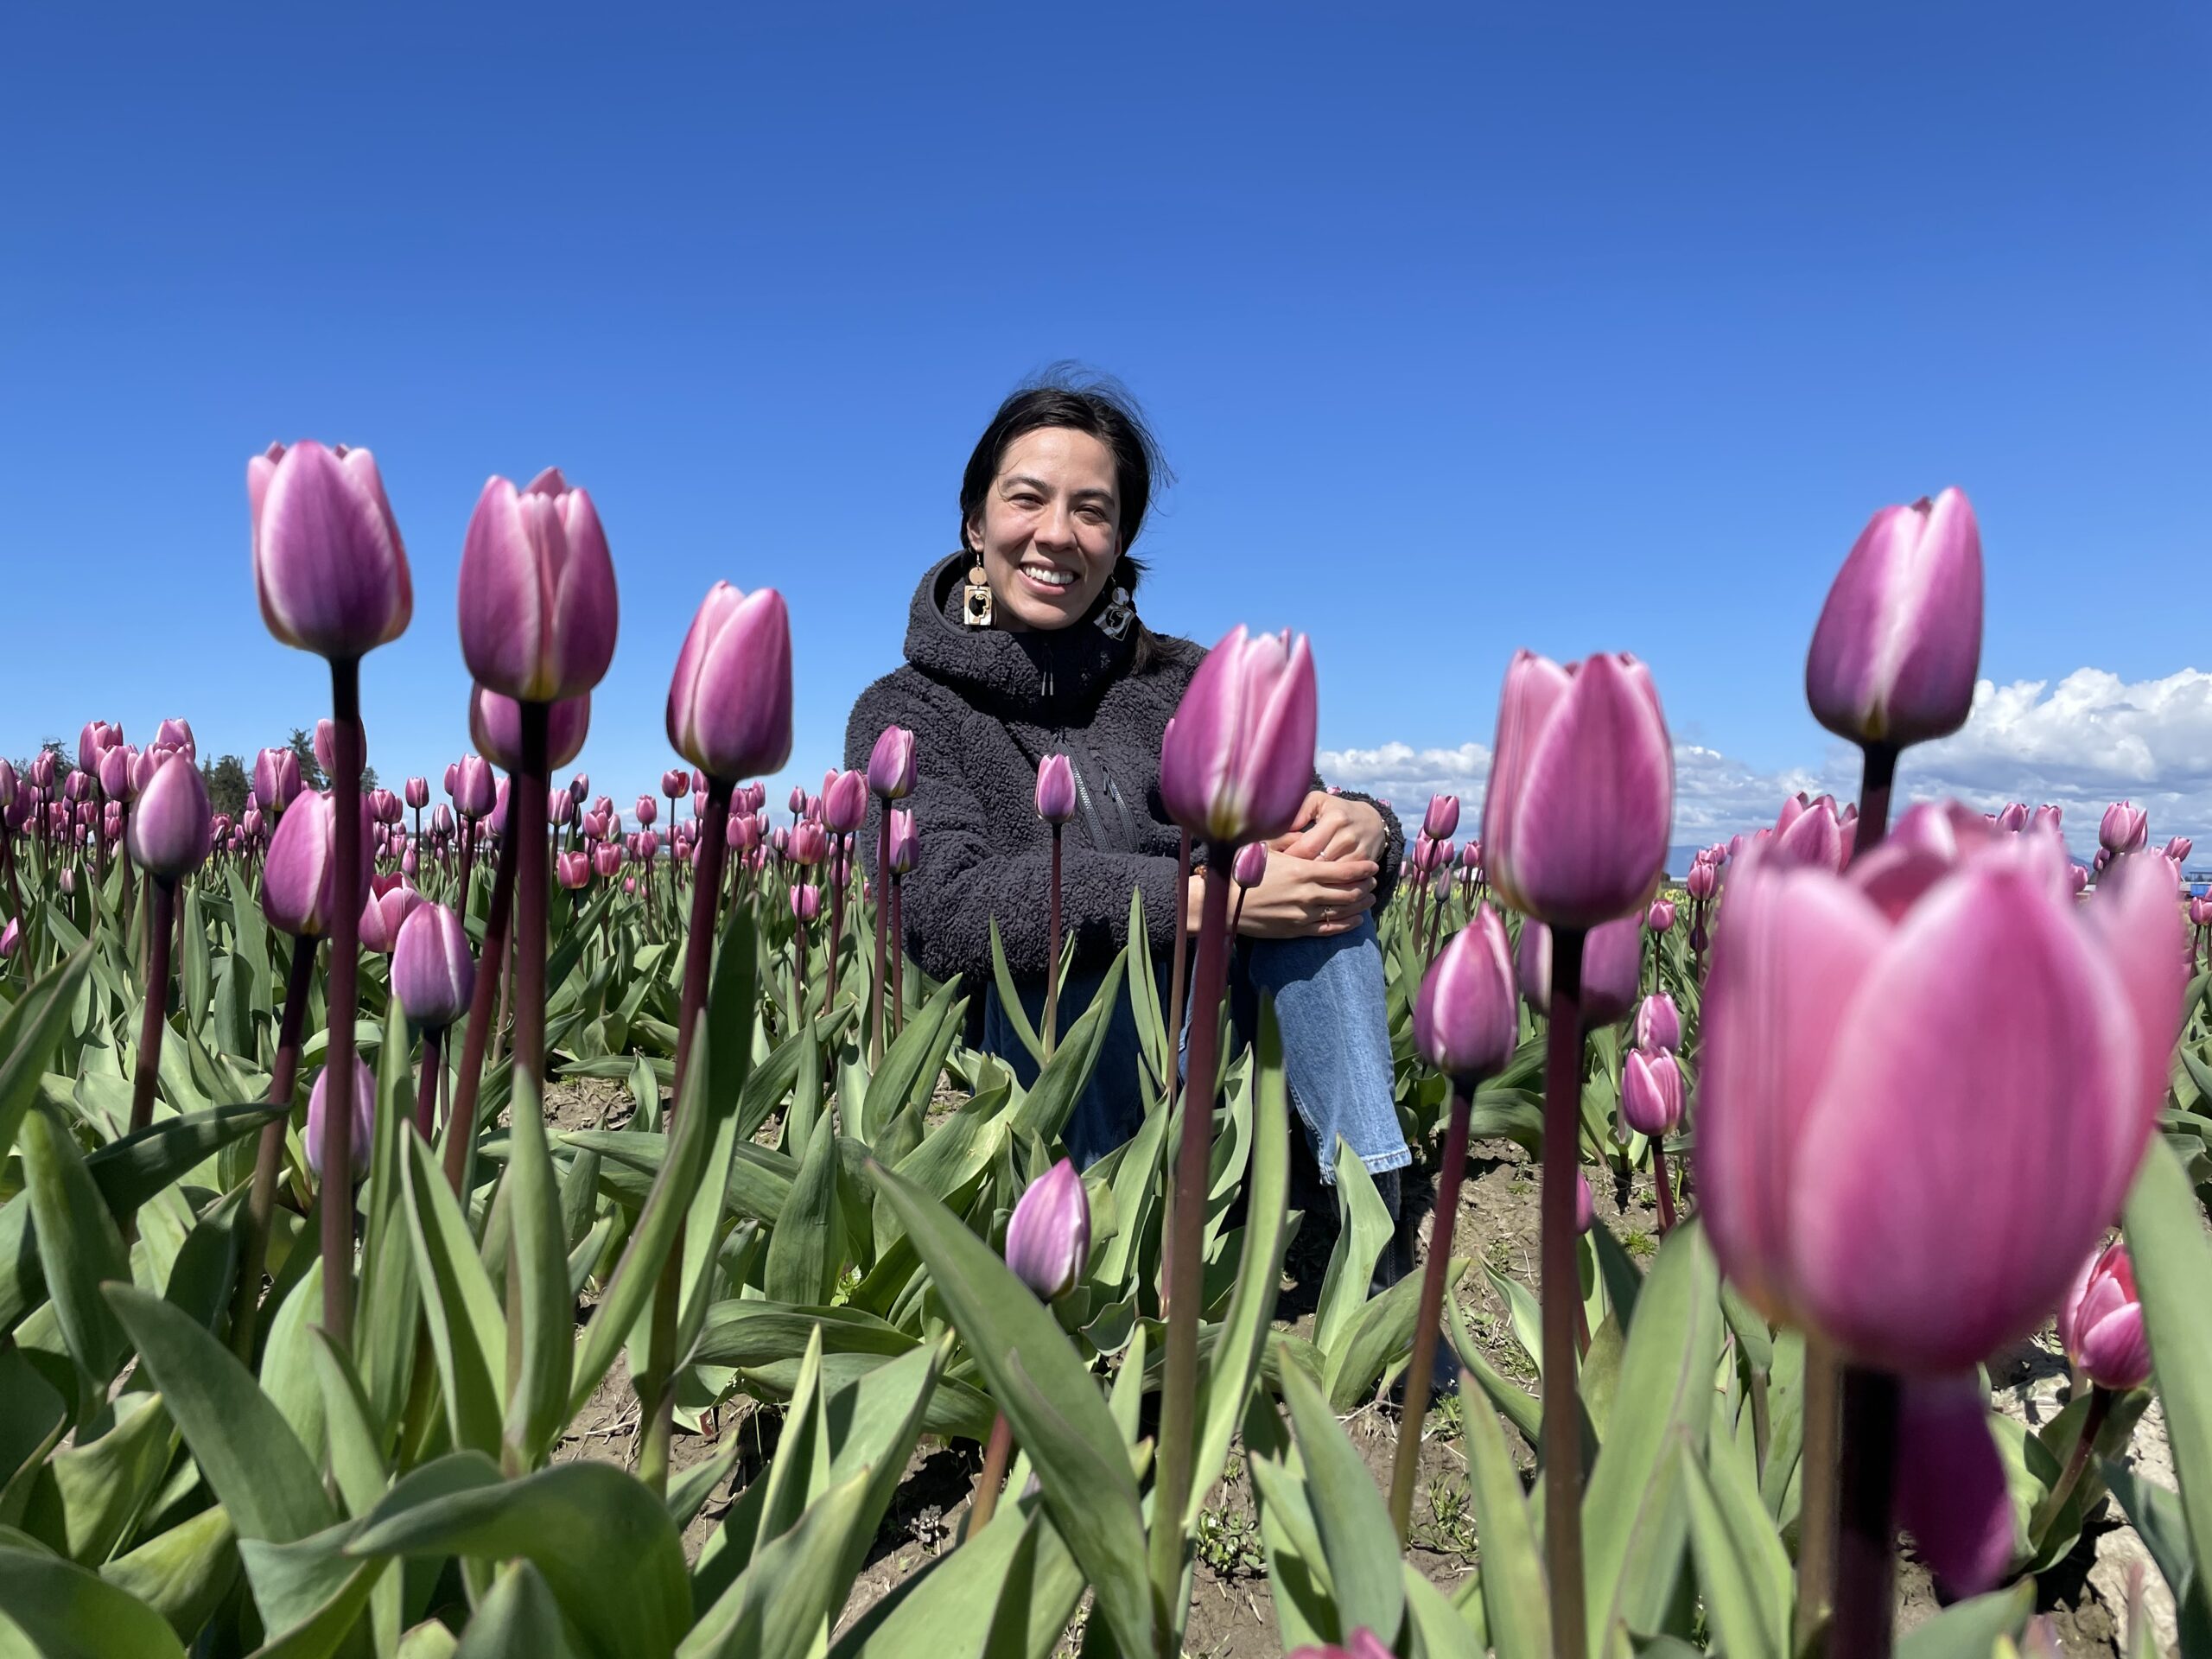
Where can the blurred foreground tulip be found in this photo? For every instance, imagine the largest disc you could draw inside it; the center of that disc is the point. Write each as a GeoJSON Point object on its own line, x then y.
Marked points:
{"type": "Point", "coordinates": [1581, 796]}
{"type": "Point", "coordinates": [1238, 760]}
{"type": "Point", "coordinates": [1895, 654]}
{"type": "Point", "coordinates": [1612, 964]}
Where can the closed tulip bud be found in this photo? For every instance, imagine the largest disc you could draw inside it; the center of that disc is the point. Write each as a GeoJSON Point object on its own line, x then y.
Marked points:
{"type": "Point", "coordinates": [744, 832]}
{"type": "Point", "coordinates": [1811, 833]}
{"type": "Point", "coordinates": [560, 805]}
{"type": "Point", "coordinates": [1048, 1236]}
{"type": "Point", "coordinates": [573, 870]}
{"type": "Point", "coordinates": [418, 793]}
{"type": "Point", "coordinates": [433, 972]}
{"type": "Point", "coordinates": [384, 806]}
{"type": "Point", "coordinates": [390, 903]}
{"type": "Point", "coordinates": [2101, 1323]}
{"type": "Point", "coordinates": [1612, 962]}
{"type": "Point", "coordinates": [172, 828]}
{"type": "Point", "coordinates": [1585, 1204]}
{"type": "Point", "coordinates": [441, 820]}
{"type": "Point", "coordinates": [2200, 910]}
{"type": "Point", "coordinates": [495, 726]}
{"type": "Point", "coordinates": [175, 736]}
{"type": "Point", "coordinates": [364, 1116]}
{"type": "Point", "coordinates": [1581, 796]}
{"type": "Point", "coordinates": [97, 738]}
{"type": "Point", "coordinates": [2179, 848]}
{"type": "Point", "coordinates": [903, 849]}
{"type": "Point", "coordinates": [698, 804]}
{"type": "Point", "coordinates": [1949, 1000]}
{"type": "Point", "coordinates": [2125, 827]}
{"type": "Point", "coordinates": [1703, 881]}
{"type": "Point", "coordinates": [890, 765]}
{"type": "Point", "coordinates": [1250, 866]}
{"type": "Point", "coordinates": [1056, 789]}
{"type": "Point", "coordinates": [648, 847]}
{"type": "Point", "coordinates": [806, 901]}
{"type": "Point", "coordinates": [68, 879]}
{"type": "Point", "coordinates": [606, 858]}
{"type": "Point", "coordinates": [328, 565]}
{"type": "Point", "coordinates": [11, 938]}
{"type": "Point", "coordinates": [1894, 657]}
{"type": "Point", "coordinates": [729, 699]}
{"type": "Point", "coordinates": [647, 809]}
{"type": "Point", "coordinates": [844, 802]}
{"type": "Point", "coordinates": [2013, 817]}
{"type": "Point", "coordinates": [1441, 821]}
{"type": "Point", "coordinates": [1465, 1022]}
{"type": "Point", "coordinates": [779, 841]}
{"type": "Point", "coordinates": [580, 787]}
{"type": "Point", "coordinates": [2079, 875]}
{"type": "Point", "coordinates": [475, 786]}
{"type": "Point", "coordinates": [537, 600]}
{"type": "Point", "coordinates": [797, 800]}
{"type": "Point", "coordinates": [809, 843]}
{"type": "Point", "coordinates": [1661, 916]}
{"type": "Point", "coordinates": [410, 865]}
{"type": "Point", "coordinates": [674, 781]}
{"type": "Point", "coordinates": [8, 784]}
{"type": "Point", "coordinates": [1237, 762]}
{"type": "Point", "coordinates": [111, 822]}
{"type": "Point", "coordinates": [1651, 1092]}
{"type": "Point", "coordinates": [114, 770]}
{"type": "Point", "coordinates": [1658, 1023]}
{"type": "Point", "coordinates": [2045, 817]}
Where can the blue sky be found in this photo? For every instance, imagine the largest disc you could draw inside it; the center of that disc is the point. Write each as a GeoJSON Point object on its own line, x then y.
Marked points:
{"type": "Point", "coordinates": [1465, 328]}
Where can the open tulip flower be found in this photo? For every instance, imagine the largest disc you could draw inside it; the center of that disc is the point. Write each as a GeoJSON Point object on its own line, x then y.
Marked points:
{"type": "Point", "coordinates": [1946, 997]}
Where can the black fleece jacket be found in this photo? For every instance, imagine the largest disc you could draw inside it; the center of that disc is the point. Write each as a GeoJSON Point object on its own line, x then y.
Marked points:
{"type": "Point", "coordinates": [986, 707]}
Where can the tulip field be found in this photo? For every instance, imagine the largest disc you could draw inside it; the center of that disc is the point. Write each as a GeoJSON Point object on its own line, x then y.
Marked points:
{"type": "Point", "coordinates": [485, 1217]}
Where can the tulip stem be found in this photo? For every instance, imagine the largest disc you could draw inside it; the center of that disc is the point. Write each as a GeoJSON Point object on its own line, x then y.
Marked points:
{"type": "Point", "coordinates": [1562, 1297]}
{"type": "Point", "coordinates": [1179, 964]}
{"type": "Point", "coordinates": [1185, 1283]}
{"type": "Point", "coordinates": [1420, 1366]}
{"type": "Point", "coordinates": [161, 912]}
{"type": "Point", "coordinates": [1865, 1541]}
{"type": "Point", "coordinates": [1666, 1189]}
{"type": "Point", "coordinates": [269, 1156]}
{"type": "Point", "coordinates": [898, 956]}
{"type": "Point", "coordinates": [345, 966]}
{"type": "Point", "coordinates": [834, 869]}
{"type": "Point", "coordinates": [460, 1119]}
{"type": "Point", "coordinates": [1878, 773]}
{"type": "Point", "coordinates": [1053, 957]}
{"type": "Point", "coordinates": [656, 1382]}
{"type": "Point", "coordinates": [2093, 1424]}
{"type": "Point", "coordinates": [426, 1097]}
{"type": "Point", "coordinates": [985, 1503]}
{"type": "Point", "coordinates": [882, 991]}
{"type": "Point", "coordinates": [1816, 1475]}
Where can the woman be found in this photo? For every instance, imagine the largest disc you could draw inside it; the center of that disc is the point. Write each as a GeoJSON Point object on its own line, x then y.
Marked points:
{"type": "Point", "coordinates": [1025, 644]}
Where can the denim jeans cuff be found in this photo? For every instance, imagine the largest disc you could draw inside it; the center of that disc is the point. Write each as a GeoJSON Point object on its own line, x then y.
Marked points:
{"type": "Point", "coordinates": [1380, 1164]}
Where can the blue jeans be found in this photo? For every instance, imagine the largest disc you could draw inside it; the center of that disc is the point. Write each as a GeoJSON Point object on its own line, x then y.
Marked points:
{"type": "Point", "coordinates": [1336, 1043]}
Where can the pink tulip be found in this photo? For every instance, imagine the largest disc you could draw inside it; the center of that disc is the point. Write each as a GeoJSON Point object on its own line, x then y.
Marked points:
{"type": "Point", "coordinates": [560, 806]}
{"type": "Point", "coordinates": [328, 565]}
{"type": "Point", "coordinates": [607, 859]}
{"type": "Point", "coordinates": [1811, 832]}
{"type": "Point", "coordinates": [573, 870]}
{"type": "Point", "coordinates": [809, 843]}
{"type": "Point", "coordinates": [1048, 1236]}
{"type": "Point", "coordinates": [433, 971]}
{"type": "Point", "coordinates": [647, 809]}
{"type": "Point", "coordinates": [1612, 962]}
{"type": "Point", "coordinates": [1951, 1489]}
{"type": "Point", "coordinates": [1702, 882]}
{"type": "Point", "coordinates": [418, 793]}
{"type": "Point", "coordinates": [11, 938]}
{"type": "Point", "coordinates": [1946, 996]}
{"type": "Point", "coordinates": [806, 901]}
{"type": "Point", "coordinates": [2125, 827]}
{"type": "Point", "coordinates": [1898, 643]}
{"type": "Point", "coordinates": [729, 699]}
{"type": "Point", "coordinates": [326, 747]}
{"type": "Point", "coordinates": [1441, 821]}
{"type": "Point", "coordinates": [2200, 909]}
{"type": "Point", "coordinates": [2101, 1322]}
{"type": "Point", "coordinates": [1661, 916]}
{"type": "Point", "coordinates": [902, 856]}
{"type": "Point", "coordinates": [1465, 1021]}
{"type": "Point", "coordinates": [495, 726]}
{"type": "Point", "coordinates": [1658, 1023]}
{"type": "Point", "coordinates": [2013, 817]}
{"type": "Point", "coordinates": [1056, 789]}
{"type": "Point", "coordinates": [1581, 796]}
{"type": "Point", "coordinates": [1237, 762]}
{"type": "Point", "coordinates": [2179, 848]}
{"type": "Point", "coordinates": [890, 765]}
{"type": "Point", "coordinates": [114, 772]}
{"type": "Point", "coordinates": [537, 600]}
{"type": "Point", "coordinates": [172, 829]}
{"type": "Point", "coordinates": [2044, 818]}
{"type": "Point", "coordinates": [364, 1115]}
{"type": "Point", "coordinates": [1651, 1092]}
{"type": "Point", "coordinates": [1249, 867]}
{"type": "Point", "coordinates": [844, 802]}
{"type": "Point", "coordinates": [390, 903]}
{"type": "Point", "coordinates": [1585, 1204]}
{"type": "Point", "coordinates": [97, 738]}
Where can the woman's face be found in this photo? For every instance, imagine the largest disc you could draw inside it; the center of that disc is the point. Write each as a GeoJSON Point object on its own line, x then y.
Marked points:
{"type": "Point", "coordinates": [1049, 528]}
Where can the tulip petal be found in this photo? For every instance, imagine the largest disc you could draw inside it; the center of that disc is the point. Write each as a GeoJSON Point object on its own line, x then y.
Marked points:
{"type": "Point", "coordinates": [1534, 687]}
{"type": "Point", "coordinates": [2136, 917]}
{"type": "Point", "coordinates": [1963, 1150]}
{"type": "Point", "coordinates": [1951, 1490]}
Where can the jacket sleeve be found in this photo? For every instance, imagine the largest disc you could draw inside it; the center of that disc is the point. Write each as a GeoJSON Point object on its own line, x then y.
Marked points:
{"type": "Point", "coordinates": [961, 879]}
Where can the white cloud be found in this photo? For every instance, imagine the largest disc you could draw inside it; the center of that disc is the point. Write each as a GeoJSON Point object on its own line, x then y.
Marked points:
{"type": "Point", "coordinates": [2089, 738]}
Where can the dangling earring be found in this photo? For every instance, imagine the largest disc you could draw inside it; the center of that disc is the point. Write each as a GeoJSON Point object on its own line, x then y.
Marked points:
{"type": "Point", "coordinates": [1114, 620]}
{"type": "Point", "coordinates": [975, 601]}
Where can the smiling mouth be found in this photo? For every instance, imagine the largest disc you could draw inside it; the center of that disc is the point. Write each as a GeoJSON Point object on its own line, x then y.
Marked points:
{"type": "Point", "coordinates": [1049, 578]}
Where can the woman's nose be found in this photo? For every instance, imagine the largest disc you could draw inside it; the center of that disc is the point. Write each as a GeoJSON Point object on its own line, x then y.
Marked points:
{"type": "Point", "coordinates": [1056, 527]}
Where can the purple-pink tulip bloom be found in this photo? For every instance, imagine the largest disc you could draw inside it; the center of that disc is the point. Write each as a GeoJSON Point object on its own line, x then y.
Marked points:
{"type": "Point", "coordinates": [1581, 795]}
{"type": "Point", "coordinates": [1056, 789]}
{"type": "Point", "coordinates": [2101, 1322]}
{"type": "Point", "coordinates": [1612, 962]}
{"type": "Point", "coordinates": [1048, 1237]}
{"type": "Point", "coordinates": [173, 826]}
{"type": "Point", "coordinates": [495, 726]}
{"type": "Point", "coordinates": [1441, 821]}
{"type": "Point", "coordinates": [844, 801]}
{"type": "Point", "coordinates": [1661, 916]}
{"type": "Point", "coordinates": [1651, 1091]}
{"type": "Point", "coordinates": [2125, 827]}
{"type": "Point", "coordinates": [391, 902]}
{"type": "Point", "coordinates": [1658, 1022]}
{"type": "Point", "coordinates": [365, 1120]}
{"type": "Point", "coordinates": [891, 763]}
{"type": "Point", "coordinates": [729, 699]}
{"type": "Point", "coordinates": [1466, 1022]}
{"type": "Point", "coordinates": [903, 850]}
{"type": "Point", "coordinates": [433, 971]}
{"type": "Point", "coordinates": [1898, 643]}
{"type": "Point", "coordinates": [327, 561]}
{"type": "Point", "coordinates": [537, 600]}
{"type": "Point", "coordinates": [1249, 867]}
{"type": "Point", "coordinates": [1236, 761]}
{"type": "Point", "coordinates": [806, 901]}
{"type": "Point", "coordinates": [1810, 832]}
{"type": "Point", "coordinates": [1948, 997]}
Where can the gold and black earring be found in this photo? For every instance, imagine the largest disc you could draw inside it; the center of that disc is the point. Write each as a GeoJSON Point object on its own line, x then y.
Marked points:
{"type": "Point", "coordinates": [975, 601]}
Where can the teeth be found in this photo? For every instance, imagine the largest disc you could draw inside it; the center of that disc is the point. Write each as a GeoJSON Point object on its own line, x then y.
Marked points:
{"type": "Point", "coordinates": [1052, 577]}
